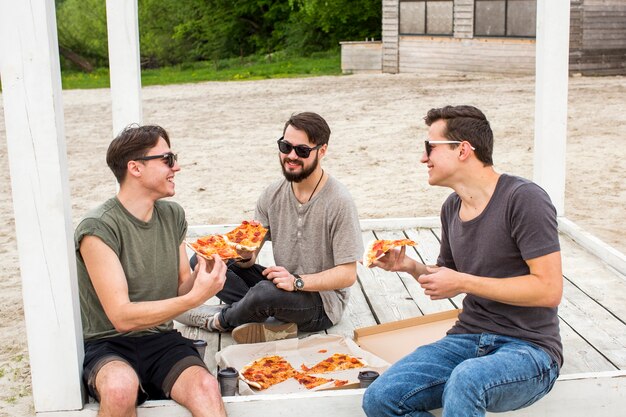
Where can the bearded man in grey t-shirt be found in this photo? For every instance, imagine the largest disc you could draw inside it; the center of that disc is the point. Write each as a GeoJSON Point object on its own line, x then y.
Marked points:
{"type": "Point", "coordinates": [499, 246]}
{"type": "Point", "coordinates": [316, 240]}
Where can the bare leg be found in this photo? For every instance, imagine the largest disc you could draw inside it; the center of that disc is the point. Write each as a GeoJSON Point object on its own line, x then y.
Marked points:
{"type": "Point", "coordinates": [117, 386]}
{"type": "Point", "coordinates": [197, 390]}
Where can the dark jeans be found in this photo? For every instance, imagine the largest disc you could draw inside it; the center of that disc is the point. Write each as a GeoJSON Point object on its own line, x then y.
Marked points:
{"type": "Point", "coordinates": [253, 298]}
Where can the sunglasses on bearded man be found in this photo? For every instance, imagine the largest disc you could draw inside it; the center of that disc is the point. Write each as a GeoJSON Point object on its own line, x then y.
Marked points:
{"type": "Point", "coordinates": [302, 151]}
{"type": "Point", "coordinates": [169, 157]}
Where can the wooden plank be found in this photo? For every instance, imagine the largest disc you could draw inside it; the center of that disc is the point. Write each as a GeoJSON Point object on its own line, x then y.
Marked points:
{"type": "Point", "coordinates": [33, 109]}
{"type": "Point", "coordinates": [124, 63]}
{"type": "Point", "coordinates": [610, 255]}
{"type": "Point", "coordinates": [600, 282]}
{"type": "Point", "coordinates": [595, 324]}
{"type": "Point", "coordinates": [580, 355]}
{"type": "Point", "coordinates": [357, 314]}
{"type": "Point", "coordinates": [582, 395]}
{"type": "Point", "coordinates": [387, 296]}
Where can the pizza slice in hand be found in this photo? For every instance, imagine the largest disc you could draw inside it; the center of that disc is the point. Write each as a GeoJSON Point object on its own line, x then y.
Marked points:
{"type": "Point", "coordinates": [207, 246]}
{"type": "Point", "coordinates": [377, 248]}
{"type": "Point", "coordinates": [248, 236]}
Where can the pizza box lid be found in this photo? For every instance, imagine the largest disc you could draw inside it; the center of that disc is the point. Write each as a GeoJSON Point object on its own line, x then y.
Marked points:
{"type": "Point", "coordinates": [392, 341]}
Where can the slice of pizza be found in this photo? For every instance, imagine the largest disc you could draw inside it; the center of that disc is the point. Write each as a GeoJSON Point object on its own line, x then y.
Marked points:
{"type": "Point", "coordinates": [337, 362]}
{"type": "Point", "coordinates": [206, 246]}
{"type": "Point", "coordinates": [248, 236]}
{"type": "Point", "coordinates": [267, 371]}
{"type": "Point", "coordinates": [310, 381]}
{"type": "Point", "coordinates": [377, 248]}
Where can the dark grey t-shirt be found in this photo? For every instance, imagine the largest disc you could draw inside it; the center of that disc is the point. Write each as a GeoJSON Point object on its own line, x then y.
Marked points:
{"type": "Point", "coordinates": [519, 223]}
{"type": "Point", "coordinates": [315, 236]}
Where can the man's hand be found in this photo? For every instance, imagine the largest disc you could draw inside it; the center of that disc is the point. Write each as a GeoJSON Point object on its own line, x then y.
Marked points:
{"type": "Point", "coordinates": [209, 277]}
{"type": "Point", "coordinates": [394, 260]}
{"type": "Point", "coordinates": [440, 283]}
{"type": "Point", "coordinates": [280, 277]}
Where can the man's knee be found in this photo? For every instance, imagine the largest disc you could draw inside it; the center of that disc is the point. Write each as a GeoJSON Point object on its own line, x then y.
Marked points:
{"type": "Point", "coordinates": [196, 389]}
{"type": "Point", "coordinates": [117, 385]}
{"type": "Point", "coordinates": [263, 293]}
{"type": "Point", "coordinates": [377, 401]}
{"type": "Point", "coordinates": [465, 386]}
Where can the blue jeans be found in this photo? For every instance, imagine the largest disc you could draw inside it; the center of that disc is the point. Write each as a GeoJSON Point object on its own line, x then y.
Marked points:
{"type": "Point", "coordinates": [466, 374]}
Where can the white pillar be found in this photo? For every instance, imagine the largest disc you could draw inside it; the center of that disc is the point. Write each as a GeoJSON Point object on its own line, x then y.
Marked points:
{"type": "Point", "coordinates": [124, 63]}
{"type": "Point", "coordinates": [552, 59]}
{"type": "Point", "coordinates": [31, 83]}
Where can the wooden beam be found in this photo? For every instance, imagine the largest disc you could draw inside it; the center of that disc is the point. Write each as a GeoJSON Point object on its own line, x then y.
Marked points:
{"type": "Point", "coordinates": [31, 82]}
{"type": "Point", "coordinates": [552, 54]}
{"type": "Point", "coordinates": [124, 63]}
{"type": "Point", "coordinates": [581, 395]}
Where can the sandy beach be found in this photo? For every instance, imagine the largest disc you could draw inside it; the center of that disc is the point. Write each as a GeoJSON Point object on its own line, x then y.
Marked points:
{"type": "Point", "coordinates": [225, 134]}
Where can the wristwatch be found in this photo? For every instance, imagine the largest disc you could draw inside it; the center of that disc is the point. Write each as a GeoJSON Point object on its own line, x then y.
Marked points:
{"type": "Point", "coordinates": [298, 282]}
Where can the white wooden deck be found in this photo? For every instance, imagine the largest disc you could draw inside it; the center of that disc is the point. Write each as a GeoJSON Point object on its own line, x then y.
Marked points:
{"type": "Point", "coordinates": [592, 313]}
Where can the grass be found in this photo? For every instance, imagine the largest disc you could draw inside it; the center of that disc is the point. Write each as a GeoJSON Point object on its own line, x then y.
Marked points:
{"type": "Point", "coordinates": [278, 65]}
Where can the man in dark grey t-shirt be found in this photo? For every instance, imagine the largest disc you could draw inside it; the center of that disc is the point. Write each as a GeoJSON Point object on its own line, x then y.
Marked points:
{"type": "Point", "coordinates": [500, 247]}
{"type": "Point", "coordinates": [316, 240]}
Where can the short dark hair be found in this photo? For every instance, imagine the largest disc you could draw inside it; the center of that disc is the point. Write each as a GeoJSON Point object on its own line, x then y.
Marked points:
{"type": "Point", "coordinates": [466, 123]}
{"type": "Point", "coordinates": [133, 142]}
{"type": "Point", "coordinates": [314, 125]}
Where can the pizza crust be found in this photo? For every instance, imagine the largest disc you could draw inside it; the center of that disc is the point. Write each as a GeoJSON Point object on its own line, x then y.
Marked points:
{"type": "Point", "coordinates": [239, 246]}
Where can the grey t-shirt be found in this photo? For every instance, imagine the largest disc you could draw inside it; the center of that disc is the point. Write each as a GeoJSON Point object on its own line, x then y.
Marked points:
{"type": "Point", "coordinates": [519, 223]}
{"type": "Point", "coordinates": [315, 236]}
{"type": "Point", "coordinates": [148, 252]}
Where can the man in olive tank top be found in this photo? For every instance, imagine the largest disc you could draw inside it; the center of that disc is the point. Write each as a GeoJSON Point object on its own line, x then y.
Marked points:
{"type": "Point", "coordinates": [500, 247]}
{"type": "Point", "coordinates": [134, 278]}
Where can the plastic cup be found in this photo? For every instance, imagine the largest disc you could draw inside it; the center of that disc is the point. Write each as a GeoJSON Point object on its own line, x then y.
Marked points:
{"type": "Point", "coordinates": [366, 378]}
{"type": "Point", "coordinates": [200, 346]}
{"type": "Point", "coordinates": [228, 378]}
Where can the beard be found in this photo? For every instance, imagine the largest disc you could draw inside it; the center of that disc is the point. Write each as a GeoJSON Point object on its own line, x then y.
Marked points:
{"type": "Point", "coordinates": [302, 175]}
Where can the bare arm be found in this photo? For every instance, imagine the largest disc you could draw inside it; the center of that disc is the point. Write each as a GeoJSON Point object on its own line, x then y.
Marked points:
{"type": "Point", "coordinates": [340, 276]}
{"type": "Point", "coordinates": [542, 287]}
{"type": "Point", "coordinates": [109, 281]}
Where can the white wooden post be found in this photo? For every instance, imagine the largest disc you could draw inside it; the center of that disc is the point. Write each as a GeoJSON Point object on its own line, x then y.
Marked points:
{"type": "Point", "coordinates": [124, 65]}
{"type": "Point", "coordinates": [552, 59]}
{"type": "Point", "coordinates": [31, 83]}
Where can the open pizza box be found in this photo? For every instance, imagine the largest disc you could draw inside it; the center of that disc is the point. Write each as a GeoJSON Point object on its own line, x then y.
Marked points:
{"type": "Point", "coordinates": [307, 351]}
{"type": "Point", "coordinates": [392, 341]}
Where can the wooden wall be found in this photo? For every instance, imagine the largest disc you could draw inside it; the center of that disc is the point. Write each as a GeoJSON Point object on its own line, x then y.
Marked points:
{"type": "Point", "coordinates": [418, 53]}
{"type": "Point", "coordinates": [391, 28]}
{"type": "Point", "coordinates": [598, 37]}
{"type": "Point", "coordinates": [597, 44]}
{"type": "Point", "coordinates": [361, 57]}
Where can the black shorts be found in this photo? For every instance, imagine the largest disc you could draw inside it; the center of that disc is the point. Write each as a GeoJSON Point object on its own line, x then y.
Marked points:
{"type": "Point", "coordinates": [158, 359]}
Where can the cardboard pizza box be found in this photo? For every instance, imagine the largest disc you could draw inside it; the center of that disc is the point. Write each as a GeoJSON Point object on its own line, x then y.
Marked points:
{"type": "Point", "coordinates": [392, 341]}
{"type": "Point", "coordinates": [308, 351]}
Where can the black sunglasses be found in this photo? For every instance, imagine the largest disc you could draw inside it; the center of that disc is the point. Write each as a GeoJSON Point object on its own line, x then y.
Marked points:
{"type": "Point", "coordinates": [428, 144]}
{"type": "Point", "coordinates": [170, 158]}
{"type": "Point", "coordinates": [302, 151]}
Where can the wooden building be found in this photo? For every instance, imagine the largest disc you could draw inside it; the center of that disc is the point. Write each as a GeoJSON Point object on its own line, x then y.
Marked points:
{"type": "Point", "coordinates": [487, 36]}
